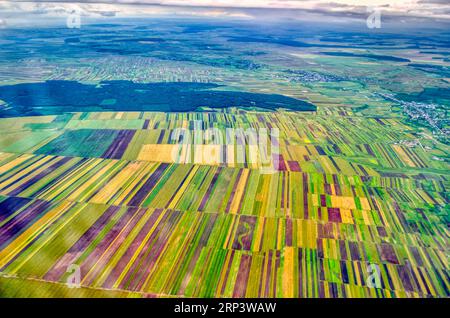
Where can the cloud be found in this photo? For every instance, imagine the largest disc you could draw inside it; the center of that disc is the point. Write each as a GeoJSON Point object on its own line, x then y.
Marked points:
{"type": "Point", "coordinates": [234, 8]}
{"type": "Point", "coordinates": [434, 1]}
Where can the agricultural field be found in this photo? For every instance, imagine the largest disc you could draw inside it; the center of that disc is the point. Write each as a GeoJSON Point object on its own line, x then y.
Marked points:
{"type": "Point", "coordinates": [139, 224]}
{"type": "Point", "coordinates": [93, 175]}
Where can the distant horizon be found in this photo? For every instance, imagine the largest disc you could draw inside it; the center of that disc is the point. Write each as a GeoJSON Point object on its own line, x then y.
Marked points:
{"type": "Point", "coordinates": [340, 11]}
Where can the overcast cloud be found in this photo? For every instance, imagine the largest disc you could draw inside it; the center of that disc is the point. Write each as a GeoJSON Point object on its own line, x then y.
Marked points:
{"type": "Point", "coordinates": [245, 9]}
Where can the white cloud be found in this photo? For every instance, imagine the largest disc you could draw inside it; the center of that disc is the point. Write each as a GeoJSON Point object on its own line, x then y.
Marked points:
{"type": "Point", "coordinates": [225, 8]}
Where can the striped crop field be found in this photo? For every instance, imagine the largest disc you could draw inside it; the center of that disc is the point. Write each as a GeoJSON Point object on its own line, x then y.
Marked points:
{"type": "Point", "coordinates": [350, 196]}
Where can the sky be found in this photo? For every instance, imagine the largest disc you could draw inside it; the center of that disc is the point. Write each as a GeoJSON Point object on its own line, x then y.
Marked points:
{"type": "Point", "coordinates": [17, 10]}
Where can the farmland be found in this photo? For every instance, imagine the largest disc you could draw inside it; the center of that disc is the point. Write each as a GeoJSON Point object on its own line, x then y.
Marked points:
{"type": "Point", "coordinates": [358, 178]}
{"type": "Point", "coordinates": [137, 226]}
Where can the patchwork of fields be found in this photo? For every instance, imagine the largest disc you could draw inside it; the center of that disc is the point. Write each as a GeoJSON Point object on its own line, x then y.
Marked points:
{"type": "Point", "coordinates": [101, 191]}
{"type": "Point", "coordinates": [118, 177]}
